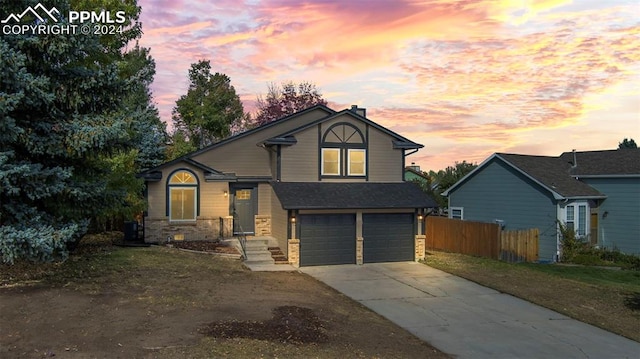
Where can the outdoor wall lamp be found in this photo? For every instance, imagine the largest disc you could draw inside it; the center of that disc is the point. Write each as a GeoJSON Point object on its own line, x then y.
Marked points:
{"type": "Point", "coordinates": [420, 217]}
{"type": "Point", "coordinates": [293, 219]}
{"type": "Point", "coordinates": [226, 193]}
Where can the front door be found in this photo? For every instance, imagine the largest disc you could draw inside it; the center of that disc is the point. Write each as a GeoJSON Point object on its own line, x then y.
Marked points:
{"type": "Point", "coordinates": [244, 207]}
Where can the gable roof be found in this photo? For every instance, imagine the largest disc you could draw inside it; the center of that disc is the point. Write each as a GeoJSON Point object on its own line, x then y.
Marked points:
{"type": "Point", "coordinates": [553, 174]}
{"type": "Point", "coordinates": [550, 173]}
{"type": "Point", "coordinates": [351, 195]}
{"type": "Point", "coordinates": [210, 174]}
{"type": "Point", "coordinates": [237, 137]}
{"type": "Point", "coordinates": [399, 141]}
{"type": "Point", "coordinates": [609, 163]}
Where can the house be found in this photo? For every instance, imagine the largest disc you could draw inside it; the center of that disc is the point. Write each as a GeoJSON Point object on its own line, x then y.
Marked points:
{"type": "Point", "coordinates": [595, 193]}
{"type": "Point", "coordinates": [413, 173]}
{"type": "Point", "coordinates": [326, 187]}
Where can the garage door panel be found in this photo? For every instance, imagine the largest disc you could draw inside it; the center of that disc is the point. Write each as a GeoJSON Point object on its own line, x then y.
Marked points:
{"type": "Point", "coordinates": [327, 239]}
{"type": "Point", "coordinates": [388, 237]}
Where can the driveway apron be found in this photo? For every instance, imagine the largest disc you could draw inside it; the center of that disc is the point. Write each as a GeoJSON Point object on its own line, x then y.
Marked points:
{"type": "Point", "coordinates": [468, 320]}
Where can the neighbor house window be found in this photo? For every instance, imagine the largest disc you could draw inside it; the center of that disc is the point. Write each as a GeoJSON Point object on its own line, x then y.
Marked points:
{"type": "Point", "coordinates": [456, 212]}
{"type": "Point", "coordinates": [183, 196]}
{"type": "Point", "coordinates": [330, 161]}
{"type": "Point", "coordinates": [576, 218]}
{"type": "Point", "coordinates": [343, 152]}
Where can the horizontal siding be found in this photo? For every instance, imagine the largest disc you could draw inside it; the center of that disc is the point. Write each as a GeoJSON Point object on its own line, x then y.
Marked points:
{"type": "Point", "coordinates": [264, 198]}
{"type": "Point", "coordinates": [498, 192]}
{"type": "Point", "coordinates": [243, 157]}
{"type": "Point", "coordinates": [621, 227]}
{"type": "Point", "coordinates": [385, 162]}
{"type": "Point", "coordinates": [279, 222]}
{"type": "Point", "coordinates": [213, 203]}
{"type": "Point", "coordinates": [300, 161]}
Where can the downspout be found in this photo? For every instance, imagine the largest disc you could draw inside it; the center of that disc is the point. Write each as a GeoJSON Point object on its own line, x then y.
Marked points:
{"type": "Point", "coordinates": [404, 156]}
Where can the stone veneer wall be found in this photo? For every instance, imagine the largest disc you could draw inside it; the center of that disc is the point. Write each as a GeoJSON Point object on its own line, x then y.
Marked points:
{"type": "Point", "coordinates": [263, 225]}
{"type": "Point", "coordinates": [420, 247]}
{"type": "Point", "coordinates": [158, 230]}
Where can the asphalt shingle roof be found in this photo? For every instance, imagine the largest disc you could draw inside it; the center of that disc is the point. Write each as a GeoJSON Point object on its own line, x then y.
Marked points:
{"type": "Point", "coordinates": [603, 163]}
{"type": "Point", "coordinates": [553, 172]}
{"type": "Point", "coordinates": [351, 195]}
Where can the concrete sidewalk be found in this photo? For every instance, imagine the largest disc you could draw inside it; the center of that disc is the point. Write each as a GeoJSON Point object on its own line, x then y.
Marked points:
{"type": "Point", "coordinates": [467, 320]}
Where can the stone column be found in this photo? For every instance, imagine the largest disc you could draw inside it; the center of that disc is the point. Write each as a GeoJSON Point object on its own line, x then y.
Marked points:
{"type": "Point", "coordinates": [420, 250]}
{"type": "Point", "coordinates": [359, 250]}
{"type": "Point", "coordinates": [293, 249]}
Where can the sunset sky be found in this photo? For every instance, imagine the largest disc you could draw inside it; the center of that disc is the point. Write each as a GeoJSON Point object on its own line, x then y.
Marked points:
{"type": "Point", "coordinates": [464, 78]}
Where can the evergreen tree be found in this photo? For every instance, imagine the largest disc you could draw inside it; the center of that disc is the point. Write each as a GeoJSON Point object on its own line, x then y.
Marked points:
{"type": "Point", "coordinates": [210, 108]}
{"type": "Point", "coordinates": [627, 143]}
{"type": "Point", "coordinates": [71, 118]}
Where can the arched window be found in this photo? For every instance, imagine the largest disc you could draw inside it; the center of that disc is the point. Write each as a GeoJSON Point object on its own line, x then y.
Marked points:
{"type": "Point", "coordinates": [182, 193]}
{"type": "Point", "coordinates": [343, 152]}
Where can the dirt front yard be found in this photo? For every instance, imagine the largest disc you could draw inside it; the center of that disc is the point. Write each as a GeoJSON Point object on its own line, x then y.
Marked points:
{"type": "Point", "coordinates": [164, 303]}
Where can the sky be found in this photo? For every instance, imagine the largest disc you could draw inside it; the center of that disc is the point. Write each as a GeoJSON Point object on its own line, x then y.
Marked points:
{"type": "Point", "coordinates": [464, 78]}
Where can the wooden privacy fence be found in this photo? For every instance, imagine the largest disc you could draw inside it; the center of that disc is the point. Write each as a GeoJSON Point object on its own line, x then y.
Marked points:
{"type": "Point", "coordinates": [481, 239]}
{"type": "Point", "coordinates": [519, 246]}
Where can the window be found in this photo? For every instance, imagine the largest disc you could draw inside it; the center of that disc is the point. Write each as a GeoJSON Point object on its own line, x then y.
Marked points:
{"type": "Point", "coordinates": [356, 162]}
{"type": "Point", "coordinates": [456, 212]}
{"type": "Point", "coordinates": [576, 218]}
{"type": "Point", "coordinates": [343, 152]}
{"type": "Point", "coordinates": [183, 196]}
{"type": "Point", "coordinates": [330, 161]}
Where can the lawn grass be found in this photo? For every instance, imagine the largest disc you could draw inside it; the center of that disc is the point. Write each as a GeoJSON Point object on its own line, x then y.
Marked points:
{"type": "Point", "coordinates": [606, 298]}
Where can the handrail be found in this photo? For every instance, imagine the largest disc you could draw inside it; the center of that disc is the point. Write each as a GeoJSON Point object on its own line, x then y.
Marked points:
{"type": "Point", "coordinates": [242, 238]}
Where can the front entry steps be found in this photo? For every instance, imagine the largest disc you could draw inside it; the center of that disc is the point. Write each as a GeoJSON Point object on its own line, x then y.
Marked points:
{"type": "Point", "coordinates": [278, 256]}
{"type": "Point", "coordinates": [257, 251]}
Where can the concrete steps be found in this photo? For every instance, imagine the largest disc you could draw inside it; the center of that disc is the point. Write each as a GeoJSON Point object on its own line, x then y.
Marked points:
{"type": "Point", "coordinates": [257, 251]}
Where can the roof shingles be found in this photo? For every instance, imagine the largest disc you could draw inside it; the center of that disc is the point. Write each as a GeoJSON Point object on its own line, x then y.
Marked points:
{"type": "Point", "coordinates": [351, 195]}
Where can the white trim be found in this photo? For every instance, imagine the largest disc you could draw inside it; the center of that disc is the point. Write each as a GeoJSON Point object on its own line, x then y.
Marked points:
{"type": "Point", "coordinates": [326, 149]}
{"type": "Point", "coordinates": [577, 221]}
{"type": "Point", "coordinates": [461, 209]}
{"type": "Point", "coordinates": [364, 161]}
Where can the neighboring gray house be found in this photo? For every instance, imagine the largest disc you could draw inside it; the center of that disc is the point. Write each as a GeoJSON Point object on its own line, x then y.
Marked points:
{"type": "Point", "coordinates": [597, 193]}
{"type": "Point", "coordinates": [327, 187]}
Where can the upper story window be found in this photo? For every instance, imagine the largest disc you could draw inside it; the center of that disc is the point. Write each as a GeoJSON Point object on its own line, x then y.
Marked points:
{"type": "Point", "coordinates": [182, 193]}
{"type": "Point", "coordinates": [343, 152]}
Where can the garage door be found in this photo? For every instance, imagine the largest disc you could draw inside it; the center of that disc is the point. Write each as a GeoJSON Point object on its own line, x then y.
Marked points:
{"type": "Point", "coordinates": [327, 239]}
{"type": "Point", "coordinates": [388, 237]}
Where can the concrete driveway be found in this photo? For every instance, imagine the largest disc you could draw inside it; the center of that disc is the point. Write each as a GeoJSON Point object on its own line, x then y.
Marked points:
{"type": "Point", "coordinates": [467, 320]}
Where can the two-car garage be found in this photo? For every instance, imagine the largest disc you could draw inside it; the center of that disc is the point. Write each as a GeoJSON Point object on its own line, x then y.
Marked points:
{"type": "Point", "coordinates": [352, 222]}
{"type": "Point", "coordinates": [331, 238]}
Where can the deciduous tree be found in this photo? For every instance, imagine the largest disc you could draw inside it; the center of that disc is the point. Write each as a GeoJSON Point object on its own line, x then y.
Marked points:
{"type": "Point", "coordinates": [285, 100]}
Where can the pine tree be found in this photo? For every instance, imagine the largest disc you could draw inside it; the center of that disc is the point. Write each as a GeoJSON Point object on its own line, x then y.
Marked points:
{"type": "Point", "coordinates": [68, 114]}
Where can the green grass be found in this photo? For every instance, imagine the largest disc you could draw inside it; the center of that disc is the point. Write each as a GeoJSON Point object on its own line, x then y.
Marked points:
{"type": "Point", "coordinates": [607, 298]}
{"type": "Point", "coordinates": [622, 279]}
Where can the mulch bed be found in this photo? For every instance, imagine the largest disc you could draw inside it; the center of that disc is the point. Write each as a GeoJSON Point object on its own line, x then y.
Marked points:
{"type": "Point", "coordinates": [205, 246]}
{"type": "Point", "coordinates": [290, 324]}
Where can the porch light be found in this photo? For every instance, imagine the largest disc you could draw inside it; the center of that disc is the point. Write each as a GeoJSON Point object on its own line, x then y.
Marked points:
{"type": "Point", "coordinates": [293, 219]}
{"type": "Point", "coordinates": [420, 217]}
{"type": "Point", "coordinates": [226, 193]}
